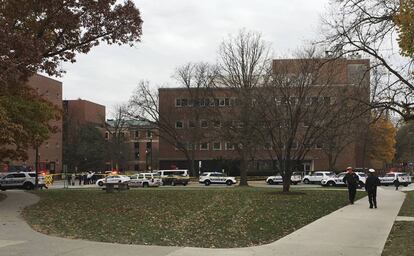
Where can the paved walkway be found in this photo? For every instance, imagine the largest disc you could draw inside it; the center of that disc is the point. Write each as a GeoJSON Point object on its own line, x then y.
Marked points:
{"type": "Point", "coordinates": [353, 230]}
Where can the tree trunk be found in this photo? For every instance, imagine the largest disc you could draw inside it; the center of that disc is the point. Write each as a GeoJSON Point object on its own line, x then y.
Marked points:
{"type": "Point", "coordinates": [243, 172]}
{"type": "Point", "coordinates": [286, 185]}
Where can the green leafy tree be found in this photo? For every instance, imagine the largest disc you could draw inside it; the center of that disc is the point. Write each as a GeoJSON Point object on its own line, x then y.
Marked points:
{"type": "Point", "coordinates": [85, 149]}
{"type": "Point", "coordinates": [405, 142]}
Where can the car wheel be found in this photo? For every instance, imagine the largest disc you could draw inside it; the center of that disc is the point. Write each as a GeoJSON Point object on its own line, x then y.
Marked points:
{"type": "Point", "coordinates": [185, 184]}
{"type": "Point", "coordinates": [172, 183]}
{"type": "Point", "coordinates": [100, 183]}
{"type": "Point", "coordinates": [270, 182]}
{"type": "Point", "coordinates": [207, 183]}
{"type": "Point", "coordinates": [145, 185]}
{"type": "Point", "coordinates": [229, 183]}
{"type": "Point", "coordinates": [295, 183]}
{"type": "Point", "coordinates": [2, 189]}
{"type": "Point", "coordinates": [28, 186]}
{"type": "Point", "coordinates": [306, 181]}
{"type": "Point", "coordinates": [405, 185]}
{"type": "Point", "coordinates": [331, 183]}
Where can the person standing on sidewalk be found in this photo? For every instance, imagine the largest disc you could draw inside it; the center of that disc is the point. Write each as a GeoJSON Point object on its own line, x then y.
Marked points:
{"type": "Point", "coordinates": [351, 180]}
{"type": "Point", "coordinates": [371, 187]}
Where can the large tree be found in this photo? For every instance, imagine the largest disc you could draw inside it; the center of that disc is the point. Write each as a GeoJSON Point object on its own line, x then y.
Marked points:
{"type": "Point", "coordinates": [405, 142]}
{"type": "Point", "coordinates": [381, 141]}
{"type": "Point", "coordinates": [196, 81]}
{"type": "Point", "coordinates": [300, 105]}
{"type": "Point", "coordinates": [38, 36]}
{"type": "Point", "coordinates": [244, 64]}
{"type": "Point", "coordinates": [370, 27]}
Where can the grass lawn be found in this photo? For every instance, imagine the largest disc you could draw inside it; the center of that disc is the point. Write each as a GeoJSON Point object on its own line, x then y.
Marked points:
{"type": "Point", "coordinates": [236, 217]}
{"type": "Point", "coordinates": [400, 241]}
{"type": "Point", "coordinates": [407, 208]}
{"type": "Point", "coordinates": [2, 197]}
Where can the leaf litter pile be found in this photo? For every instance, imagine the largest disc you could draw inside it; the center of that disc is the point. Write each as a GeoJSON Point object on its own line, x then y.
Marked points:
{"type": "Point", "coordinates": [215, 218]}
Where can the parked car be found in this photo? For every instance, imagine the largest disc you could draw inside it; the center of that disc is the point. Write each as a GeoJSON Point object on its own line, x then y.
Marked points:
{"type": "Point", "coordinates": [338, 180]}
{"type": "Point", "coordinates": [113, 179]}
{"type": "Point", "coordinates": [295, 179]}
{"type": "Point", "coordinates": [391, 177]}
{"type": "Point", "coordinates": [208, 178]}
{"type": "Point", "coordinates": [145, 180]}
{"type": "Point", "coordinates": [25, 180]}
{"type": "Point", "coordinates": [174, 177]}
{"type": "Point", "coordinates": [316, 177]}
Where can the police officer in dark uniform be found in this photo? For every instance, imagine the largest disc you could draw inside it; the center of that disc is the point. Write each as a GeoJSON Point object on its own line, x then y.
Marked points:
{"type": "Point", "coordinates": [351, 180]}
{"type": "Point", "coordinates": [371, 188]}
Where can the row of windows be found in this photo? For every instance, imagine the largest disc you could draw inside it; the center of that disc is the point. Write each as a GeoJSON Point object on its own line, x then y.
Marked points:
{"type": "Point", "coordinates": [218, 124]}
{"type": "Point", "coordinates": [203, 124]}
{"type": "Point", "coordinates": [230, 146]}
{"type": "Point", "coordinates": [205, 102]}
{"type": "Point", "coordinates": [134, 134]}
{"type": "Point", "coordinates": [206, 146]}
{"type": "Point", "coordinates": [223, 102]}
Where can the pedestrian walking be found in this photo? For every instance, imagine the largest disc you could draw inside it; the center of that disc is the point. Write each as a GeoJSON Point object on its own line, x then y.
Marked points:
{"type": "Point", "coordinates": [397, 183]}
{"type": "Point", "coordinates": [73, 179]}
{"type": "Point", "coordinates": [351, 180]}
{"type": "Point", "coordinates": [371, 185]}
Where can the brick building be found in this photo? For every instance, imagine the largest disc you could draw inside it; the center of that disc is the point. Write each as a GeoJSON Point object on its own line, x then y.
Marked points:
{"type": "Point", "coordinates": [50, 152]}
{"type": "Point", "coordinates": [176, 106]}
{"type": "Point", "coordinates": [139, 145]}
{"type": "Point", "coordinates": [84, 112]}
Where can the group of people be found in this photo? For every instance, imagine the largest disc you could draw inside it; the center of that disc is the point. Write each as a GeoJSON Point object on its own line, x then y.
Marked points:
{"type": "Point", "coordinates": [84, 178]}
{"type": "Point", "coordinates": [351, 179]}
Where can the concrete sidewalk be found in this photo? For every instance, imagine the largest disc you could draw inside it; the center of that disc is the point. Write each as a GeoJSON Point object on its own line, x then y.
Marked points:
{"type": "Point", "coordinates": [353, 230]}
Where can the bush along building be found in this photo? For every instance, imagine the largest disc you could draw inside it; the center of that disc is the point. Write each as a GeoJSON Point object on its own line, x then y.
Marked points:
{"type": "Point", "coordinates": [307, 115]}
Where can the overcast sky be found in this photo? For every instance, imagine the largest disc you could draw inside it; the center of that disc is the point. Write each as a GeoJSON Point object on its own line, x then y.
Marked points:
{"type": "Point", "coordinates": [176, 32]}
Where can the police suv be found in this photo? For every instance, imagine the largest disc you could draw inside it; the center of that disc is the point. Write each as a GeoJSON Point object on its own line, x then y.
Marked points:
{"type": "Point", "coordinates": [216, 178]}
{"type": "Point", "coordinates": [392, 177]}
{"type": "Point", "coordinates": [25, 180]}
{"type": "Point", "coordinates": [338, 180]}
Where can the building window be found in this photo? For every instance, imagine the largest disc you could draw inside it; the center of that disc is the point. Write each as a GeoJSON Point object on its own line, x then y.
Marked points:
{"type": "Point", "coordinates": [216, 146]}
{"type": "Point", "coordinates": [191, 124]}
{"type": "Point", "coordinates": [229, 146]}
{"type": "Point", "coordinates": [136, 145]}
{"type": "Point", "coordinates": [136, 155]}
{"type": "Point", "coordinates": [217, 123]}
{"type": "Point", "coordinates": [136, 134]}
{"type": "Point", "coordinates": [221, 102]}
{"type": "Point", "coordinates": [47, 144]}
{"type": "Point", "coordinates": [149, 134]}
{"type": "Point", "coordinates": [184, 102]}
{"type": "Point", "coordinates": [203, 123]}
{"type": "Point", "coordinates": [190, 146]}
{"type": "Point", "coordinates": [179, 125]}
{"type": "Point", "coordinates": [178, 102]}
{"type": "Point", "coordinates": [136, 167]}
{"type": "Point", "coordinates": [204, 146]}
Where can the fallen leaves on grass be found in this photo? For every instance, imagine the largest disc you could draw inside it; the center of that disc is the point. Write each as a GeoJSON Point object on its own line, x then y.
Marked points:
{"type": "Point", "coordinates": [237, 217]}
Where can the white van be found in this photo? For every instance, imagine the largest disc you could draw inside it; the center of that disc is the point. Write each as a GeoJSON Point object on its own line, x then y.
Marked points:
{"type": "Point", "coordinates": [174, 177]}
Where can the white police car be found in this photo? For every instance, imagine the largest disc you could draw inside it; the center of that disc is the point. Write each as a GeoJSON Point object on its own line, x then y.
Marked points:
{"type": "Point", "coordinates": [113, 179]}
{"type": "Point", "coordinates": [338, 180]}
{"type": "Point", "coordinates": [208, 178]}
{"type": "Point", "coordinates": [25, 180]}
{"type": "Point", "coordinates": [392, 177]}
{"type": "Point", "coordinates": [145, 180]}
{"type": "Point", "coordinates": [295, 179]}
